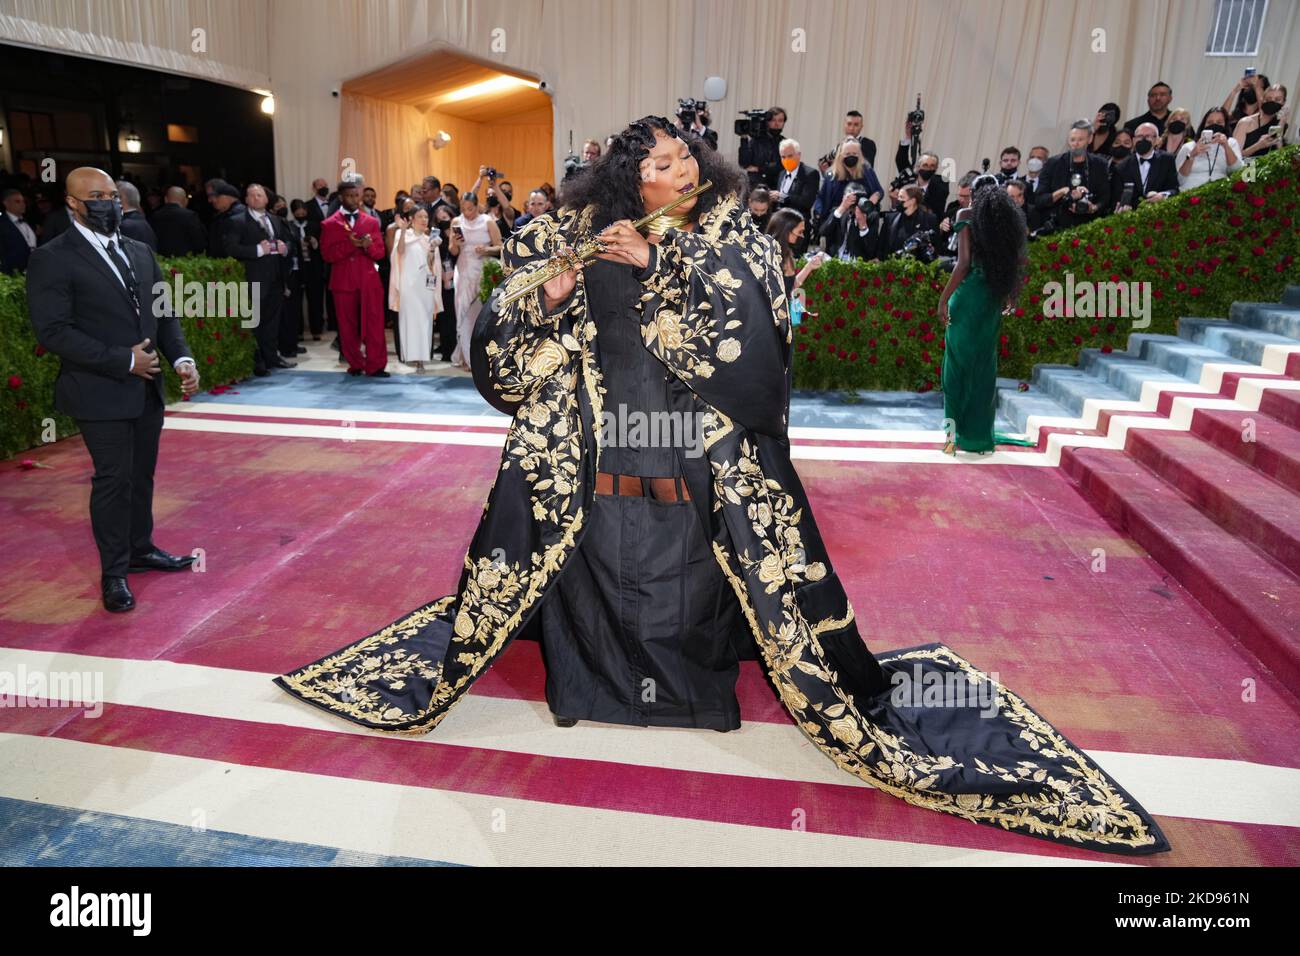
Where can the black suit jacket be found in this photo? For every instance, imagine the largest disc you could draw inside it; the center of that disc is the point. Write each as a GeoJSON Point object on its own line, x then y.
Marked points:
{"type": "Point", "coordinates": [179, 231]}
{"type": "Point", "coordinates": [315, 217]}
{"type": "Point", "coordinates": [13, 247]}
{"type": "Point", "coordinates": [802, 195]}
{"type": "Point", "coordinates": [859, 246]}
{"type": "Point", "coordinates": [136, 226]}
{"type": "Point", "coordinates": [81, 312]}
{"type": "Point", "coordinates": [1056, 173]}
{"type": "Point", "coordinates": [240, 235]}
{"type": "Point", "coordinates": [1162, 176]}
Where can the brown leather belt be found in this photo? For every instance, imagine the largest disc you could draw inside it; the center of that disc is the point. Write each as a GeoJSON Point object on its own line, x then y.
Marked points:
{"type": "Point", "coordinates": [662, 489]}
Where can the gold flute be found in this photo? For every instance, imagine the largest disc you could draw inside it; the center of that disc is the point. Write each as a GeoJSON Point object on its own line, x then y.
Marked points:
{"type": "Point", "coordinates": [587, 247]}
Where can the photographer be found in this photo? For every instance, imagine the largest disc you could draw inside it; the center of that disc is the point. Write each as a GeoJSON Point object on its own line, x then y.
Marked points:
{"type": "Point", "coordinates": [1074, 186]}
{"type": "Point", "coordinates": [693, 117]}
{"type": "Point", "coordinates": [913, 217]}
{"type": "Point", "coordinates": [853, 230]}
{"type": "Point", "coordinates": [847, 168]}
{"type": "Point", "coordinates": [934, 186]}
{"type": "Point", "coordinates": [760, 155]}
{"type": "Point", "coordinates": [499, 195]}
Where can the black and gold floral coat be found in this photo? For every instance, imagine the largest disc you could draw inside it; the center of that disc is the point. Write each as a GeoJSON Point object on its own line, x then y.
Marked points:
{"type": "Point", "coordinates": [915, 723]}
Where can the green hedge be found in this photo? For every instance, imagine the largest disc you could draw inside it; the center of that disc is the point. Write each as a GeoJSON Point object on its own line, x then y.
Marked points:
{"type": "Point", "coordinates": [222, 350]}
{"type": "Point", "coordinates": [1231, 240]}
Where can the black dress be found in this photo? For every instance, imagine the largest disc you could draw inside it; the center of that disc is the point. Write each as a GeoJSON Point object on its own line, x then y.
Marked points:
{"type": "Point", "coordinates": [642, 626]}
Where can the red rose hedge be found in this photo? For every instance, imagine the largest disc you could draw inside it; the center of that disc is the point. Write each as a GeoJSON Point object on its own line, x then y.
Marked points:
{"type": "Point", "coordinates": [28, 400]}
{"type": "Point", "coordinates": [1231, 240]}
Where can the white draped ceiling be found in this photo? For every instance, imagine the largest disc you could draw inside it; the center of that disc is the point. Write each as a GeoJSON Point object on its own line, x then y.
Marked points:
{"type": "Point", "coordinates": [991, 72]}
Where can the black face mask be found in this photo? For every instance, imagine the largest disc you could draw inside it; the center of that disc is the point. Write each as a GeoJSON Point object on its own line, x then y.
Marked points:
{"type": "Point", "coordinates": [1142, 147]}
{"type": "Point", "coordinates": [924, 173]}
{"type": "Point", "coordinates": [801, 246]}
{"type": "Point", "coordinates": [1271, 108]}
{"type": "Point", "coordinates": [1177, 127]}
{"type": "Point", "coordinates": [302, 218]}
{"type": "Point", "coordinates": [102, 215]}
{"type": "Point", "coordinates": [323, 192]}
{"type": "Point", "coordinates": [850, 161]}
{"type": "Point", "coordinates": [1119, 152]}
{"type": "Point", "coordinates": [1009, 170]}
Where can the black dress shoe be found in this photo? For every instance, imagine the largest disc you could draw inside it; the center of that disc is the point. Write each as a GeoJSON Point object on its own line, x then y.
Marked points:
{"type": "Point", "coordinates": [354, 371]}
{"type": "Point", "coordinates": [315, 338]}
{"type": "Point", "coordinates": [335, 346]}
{"type": "Point", "coordinates": [259, 372]}
{"type": "Point", "coordinates": [380, 374]}
{"type": "Point", "coordinates": [564, 721]}
{"type": "Point", "coordinates": [117, 596]}
{"type": "Point", "coordinates": [301, 350]}
{"type": "Point", "coordinates": [160, 560]}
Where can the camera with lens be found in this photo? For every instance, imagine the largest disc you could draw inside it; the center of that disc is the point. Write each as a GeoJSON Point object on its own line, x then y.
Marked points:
{"type": "Point", "coordinates": [905, 178]}
{"type": "Point", "coordinates": [491, 172]}
{"type": "Point", "coordinates": [917, 116]}
{"type": "Point", "coordinates": [688, 108]}
{"type": "Point", "coordinates": [920, 246]}
{"type": "Point", "coordinates": [1077, 180]}
{"type": "Point", "coordinates": [574, 164]}
{"type": "Point", "coordinates": [754, 122]}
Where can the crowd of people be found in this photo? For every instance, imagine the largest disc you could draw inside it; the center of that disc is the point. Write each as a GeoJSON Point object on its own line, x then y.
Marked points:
{"type": "Point", "coordinates": [423, 257]}
{"type": "Point", "coordinates": [841, 205]}
{"type": "Point", "coordinates": [335, 261]}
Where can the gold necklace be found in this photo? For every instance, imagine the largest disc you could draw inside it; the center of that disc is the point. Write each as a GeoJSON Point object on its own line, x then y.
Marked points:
{"type": "Point", "coordinates": [667, 221]}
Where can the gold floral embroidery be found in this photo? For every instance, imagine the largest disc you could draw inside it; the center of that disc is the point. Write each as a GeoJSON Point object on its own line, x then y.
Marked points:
{"type": "Point", "coordinates": [546, 363]}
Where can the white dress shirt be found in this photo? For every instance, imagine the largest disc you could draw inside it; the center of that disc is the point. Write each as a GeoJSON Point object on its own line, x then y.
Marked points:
{"type": "Point", "coordinates": [100, 244]}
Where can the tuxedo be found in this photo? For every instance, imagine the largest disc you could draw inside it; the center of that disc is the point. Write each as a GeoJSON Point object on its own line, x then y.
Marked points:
{"type": "Point", "coordinates": [1157, 175]}
{"type": "Point", "coordinates": [240, 236]}
{"type": "Point", "coordinates": [801, 187]}
{"type": "Point", "coordinates": [14, 250]}
{"type": "Point", "coordinates": [291, 314]}
{"type": "Point", "coordinates": [842, 234]}
{"type": "Point", "coordinates": [179, 231]}
{"type": "Point", "coordinates": [355, 287]}
{"type": "Point", "coordinates": [316, 278]}
{"type": "Point", "coordinates": [90, 314]}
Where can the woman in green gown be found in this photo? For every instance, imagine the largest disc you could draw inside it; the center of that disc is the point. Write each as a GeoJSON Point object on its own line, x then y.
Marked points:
{"type": "Point", "coordinates": [989, 270]}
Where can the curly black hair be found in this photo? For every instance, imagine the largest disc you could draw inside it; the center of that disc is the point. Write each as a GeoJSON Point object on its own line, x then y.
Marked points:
{"type": "Point", "coordinates": [613, 182]}
{"type": "Point", "coordinates": [997, 239]}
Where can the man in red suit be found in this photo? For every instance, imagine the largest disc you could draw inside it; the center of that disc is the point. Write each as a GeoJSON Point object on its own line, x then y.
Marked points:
{"type": "Point", "coordinates": [350, 241]}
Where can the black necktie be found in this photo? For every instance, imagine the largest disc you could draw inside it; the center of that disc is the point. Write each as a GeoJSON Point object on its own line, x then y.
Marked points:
{"type": "Point", "coordinates": [125, 271]}
{"type": "Point", "coordinates": [1142, 168]}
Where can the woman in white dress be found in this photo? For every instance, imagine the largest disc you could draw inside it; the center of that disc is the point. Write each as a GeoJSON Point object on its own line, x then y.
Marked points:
{"type": "Point", "coordinates": [414, 284]}
{"type": "Point", "coordinates": [474, 237]}
{"type": "Point", "coordinates": [1211, 155]}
